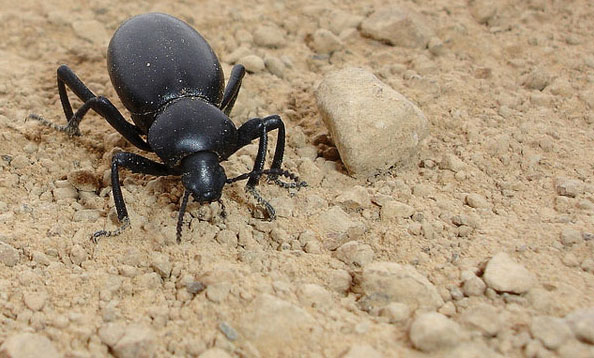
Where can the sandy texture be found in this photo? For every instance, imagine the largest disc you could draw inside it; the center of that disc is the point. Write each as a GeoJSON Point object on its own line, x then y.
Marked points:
{"type": "Point", "coordinates": [507, 167]}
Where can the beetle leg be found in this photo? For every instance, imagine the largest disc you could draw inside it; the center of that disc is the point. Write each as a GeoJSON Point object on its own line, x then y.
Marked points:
{"type": "Point", "coordinates": [137, 164]}
{"type": "Point", "coordinates": [101, 105]}
{"type": "Point", "coordinates": [232, 89]}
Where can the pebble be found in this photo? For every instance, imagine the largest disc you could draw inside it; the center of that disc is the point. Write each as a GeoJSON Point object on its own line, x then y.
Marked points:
{"type": "Point", "coordinates": [361, 351]}
{"type": "Point", "coordinates": [393, 209]}
{"type": "Point", "coordinates": [484, 318]}
{"type": "Point", "coordinates": [83, 180]}
{"type": "Point", "coordinates": [78, 254]}
{"type": "Point", "coordinates": [504, 275]}
{"type": "Point", "coordinates": [385, 282]}
{"type": "Point", "coordinates": [253, 63]}
{"type": "Point", "coordinates": [570, 236]}
{"type": "Point", "coordinates": [353, 98]}
{"type": "Point", "coordinates": [110, 333]}
{"type": "Point", "coordinates": [65, 193]}
{"type": "Point", "coordinates": [537, 79]}
{"type": "Point", "coordinates": [227, 237]}
{"type": "Point", "coordinates": [86, 215]}
{"type": "Point", "coordinates": [28, 345]}
{"type": "Point", "coordinates": [214, 353]}
{"type": "Point", "coordinates": [551, 331]}
{"type": "Point", "coordinates": [20, 161]}
{"type": "Point", "coordinates": [339, 280]}
{"type": "Point", "coordinates": [228, 331]}
{"type": "Point", "coordinates": [324, 42]}
{"type": "Point", "coordinates": [35, 300]}
{"type": "Point", "coordinates": [483, 10]}
{"type": "Point", "coordinates": [334, 224]}
{"type": "Point", "coordinates": [355, 253]}
{"type": "Point", "coordinates": [238, 54]}
{"type": "Point", "coordinates": [474, 286]}
{"type": "Point", "coordinates": [312, 247]}
{"type": "Point", "coordinates": [570, 260]}
{"type": "Point", "coordinates": [581, 322]}
{"type": "Point", "coordinates": [568, 187]}
{"type": "Point", "coordinates": [356, 197]}
{"type": "Point", "coordinates": [313, 295]}
{"type": "Point", "coordinates": [138, 341]}
{"type": "Point", "coordinates": [269, 36]}
{"type": "Point", "coordinates": [9, 256]}
{"type": "Point", "coordinates": [433, 331]}
{"type": "Point", "coordinates": [451, 162]}
{"type": "Point", "coordinates": [275, 66]}
{"type": "Point", "coordinates": [395, 312]}
{"type": "Point", "coordinates": [217, 292]}
{"type": "Point", "coordinates": [274, 325]}
{"type": "Point", "coordinates": [342, 20]}
{"type": "Point", "coordinates": [587, 265]}
{"type": "Point", "coordinates": [397, 26]}
{"type": "Point", "coordinates": [476, 201]}
{"type": "Point", "coordinates": [161, 265]}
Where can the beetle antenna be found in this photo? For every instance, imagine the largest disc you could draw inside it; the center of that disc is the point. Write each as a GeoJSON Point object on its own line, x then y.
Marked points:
{"type": "Point", "coordinates": [180, 218]}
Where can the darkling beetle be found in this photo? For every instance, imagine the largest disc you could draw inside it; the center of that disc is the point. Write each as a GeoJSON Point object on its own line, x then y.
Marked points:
{"type": "Point", "coordinates": [171, 81]}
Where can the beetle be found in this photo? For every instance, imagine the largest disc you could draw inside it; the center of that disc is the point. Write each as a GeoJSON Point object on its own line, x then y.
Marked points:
{"type": "Point", "coordinates": [171, 82]}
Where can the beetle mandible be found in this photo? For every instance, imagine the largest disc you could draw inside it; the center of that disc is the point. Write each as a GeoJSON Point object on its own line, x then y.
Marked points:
{"type": "Point", "coordinates": [170, 80]}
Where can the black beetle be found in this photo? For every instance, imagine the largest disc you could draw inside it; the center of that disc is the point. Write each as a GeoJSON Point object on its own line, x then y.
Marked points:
{"type": "Point", "coordinates": [171, 81]}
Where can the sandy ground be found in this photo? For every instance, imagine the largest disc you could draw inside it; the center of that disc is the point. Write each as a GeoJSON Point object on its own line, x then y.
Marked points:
{"type": "Point", "coordinates": [507, 167]}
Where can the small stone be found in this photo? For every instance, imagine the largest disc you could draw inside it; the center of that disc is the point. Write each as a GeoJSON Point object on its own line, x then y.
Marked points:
{"type": "Point", "coordinates": [275, 66]}
{"type": "Point", "coordinates": [312, 247]}
{"type": "Point", "coordinates": [111, 333]}
{"type": "Point", "coordinates": [483, 10]}
{"type": "Point", "coordinates": [214, 353]}
{"type": "Point", "coordinates": [341, 21]}
{"type": "Point", "coordinates": [504, 275]}
{"type": "Point", "coordinates": [397, 26]}
{"type": "Point", "coordinates": [92, 31]}
{"type": "Point", "coordinates": [588, 265]}
{"type": "Point", "coordinates": [35, 300]}
{"type": "Point", "coordinates": [253, 63]}
{"type": "Point", "coordinates": [160, 263]}
{"type": "Point", "coordinates": [352, 99]}
{"type": "Point", "coordinates": [448, 309]}
{"type": "Point", "coordinates": [9, 256]}
{"type": "Point", "coordinates": [451, 162]}
{"type": "Point", "coordinates": [484, 318]}
{"type": "Point", "coordinates": [356, 197]}
{"type": "Point", "coordinates": [538, 79]}
{"type": "Point", "coordinates": [474, 286]}
{"type": "Point", "coordinates": [138, 341]}
{"type": "Point", "coordinates": [476, 201]}
{"type": "Point", "coordinates": [354, 253]}
{"type": "Point", "coordinates": [570, 236]}
{"type": "Point", "coordinates": [78, 254]}
{"type": "Point", "coordinates": [570, 260]}
{"type": "Point", "coordinates": [228, 331]}
{"type": "Point", "coordinates": [217, 292]}
{"type": "Point", "coordinates": [581, 322]}
{"type": "Point", "coordinates": [395, 312]}
{"type": "Point", "coordinates": [394, 209]}
{"type": "Point", "coordinates": [86, 215]}
{"type": "Point", "coordinates": [324, 42]}
{"type": "Point", "coordinates": [28, 345]}
{"type": "Point", "coordinates": [361, 351]}
{"type": "Point", "coordinates": [65, 193]}
{"type": "Point", "coordinates": [335, 224]}
{"type": "Point", "coordinates": [269, 36]}
{"type": "Point", "coordinates": [195, 287]}
{"type": "Point", "coordinates": [385, 282]}
{"type": "Point", "coordinates": [551, 331]}
{"type": "Point", "coordinates": [83, 179]}
{"type": "Point", "coordinates": [315, 296]}
{"type": "Point", "coordinates": [227, 237]}
{"type": "Point", "coordinates": [568, 187]}
{"type": "Point", "coordinates": [433, 331]}
{"type": "Point", "coordinates": [339, 280]}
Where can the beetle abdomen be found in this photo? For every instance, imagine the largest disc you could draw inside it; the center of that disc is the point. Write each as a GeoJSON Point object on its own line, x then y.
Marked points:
{"type": "Point", "coordinates": [155, 58]}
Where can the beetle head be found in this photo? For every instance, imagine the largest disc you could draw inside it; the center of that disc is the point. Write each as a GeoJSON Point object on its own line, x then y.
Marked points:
{"type": "Point", "coordinates": [203, 176]}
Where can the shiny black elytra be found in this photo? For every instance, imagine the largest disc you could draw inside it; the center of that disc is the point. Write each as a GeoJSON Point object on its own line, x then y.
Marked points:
{"type": "Point", "coordinates": [171, 81]}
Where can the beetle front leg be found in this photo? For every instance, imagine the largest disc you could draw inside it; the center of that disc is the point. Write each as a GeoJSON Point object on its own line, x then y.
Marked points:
{"type": "Point", "coordinates": [137, 164]}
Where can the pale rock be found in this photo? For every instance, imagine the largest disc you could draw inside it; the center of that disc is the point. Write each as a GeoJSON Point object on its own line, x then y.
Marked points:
{"type": "Point", "coordinates": [587, 265]}
{"type": "Point", "coordinates": [339, 280]}
{"type": "Point", "coordinates": [476, 201]}
{"type": "Point", "coordinates": [537, 79]}
{"type": "Point", "coordinates": [433, 331]}
{"type": "Point", "coordinates": [581, 322]}
{"type": "Point", "coordinates": [324, 42]}
{"type": "Point", "coordinates": [373, 126]}
{"type": "Point", "coordinates": [451, 162]}
{"type": "Point", "coordinates": [9, 256]}
{"type": "Point", "coordinates": [570, 236]}
{"type": "Point", "coordinates": [253, 63]}
{"type": "Point", "coordinates": [395, 312]}
{"type": "Point", "coordinates": [551, 331]}
{"type": "Point", "coordinates": [355, 253]}
{"type": "Point", "coordinates": [35, 300]}
{"type": "Point", "coordinates": [385, 282]}
{"type": "Point", "coordinates": [110, 333]}
{"type": "Point", "coordinates": [334, 224]}
{"type": "Point", "coordinates": [483, 10]}
{"type": "Point", "coordinates": [313, 295]}
{"type": "Point", "coordinates": [78, 254]}
{"type": "Point", "coordinates": [28, 345]}
{"type": "Point", "coordinates": [484, 318]}
{"type": "Point", "coordinates": [83, 179]}
{"type": "Point", "coordinates": [65, 193]}
{"type": "Point", "coordinates": [138, 341]}
{"type": "Point", "coordinates": [161, 265]}
{"type": "Point", "coordinates": [397, 26]}
{"type": "Point", "coordinates": [568, 187]}
{"type": "Point", "coordinates": [275, 66]}
{"type": "Point", "coordinates": [269, 36]}
{"type": "Point", "coordinates": [474, 286]}
{"type": "Point", "coordinates": [393, 209]}
{"type": "Point", "coordinates": [361, 351]}
{"type": "Point", "coordinates": [505, 275]}
{"type": "Point", "coordinates": [275, 326]}
{"type": "Point", "coordinates": [86, 215]}
{"type": "Point", "coordinates": [217, 292]}
{"type": "Point", "coordinates": [356, 197]}
{"type": "Point", "coordinates": [341, 21]}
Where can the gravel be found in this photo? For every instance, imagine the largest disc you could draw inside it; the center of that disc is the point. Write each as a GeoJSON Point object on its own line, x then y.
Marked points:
{"type": "Point", "coordinates": [504, 275]}
{"type": "Point", "coordinates": [432, 331]}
